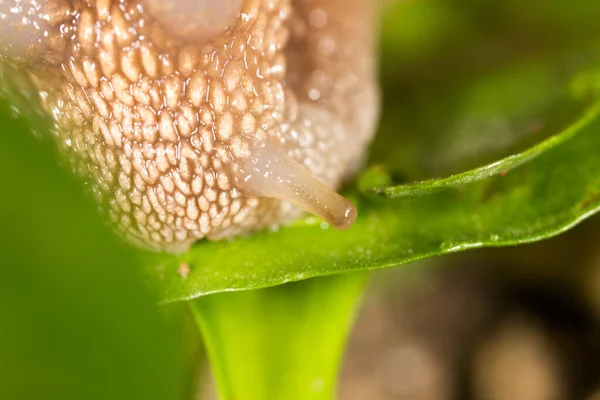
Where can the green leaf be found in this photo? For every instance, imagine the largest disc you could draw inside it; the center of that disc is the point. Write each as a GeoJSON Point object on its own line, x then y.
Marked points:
{"type": "Point", "coordinates": [499, 167]}
{"type": "Point", "coordinates": [536, 200]}
{"type": "Point", "coordinates": [279, 343]}
{"type": "Point", "coordinates": [458, 93]}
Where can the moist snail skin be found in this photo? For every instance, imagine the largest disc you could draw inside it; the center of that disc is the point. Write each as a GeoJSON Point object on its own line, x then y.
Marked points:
{"type": "Point", "coordinates": [199, 119]}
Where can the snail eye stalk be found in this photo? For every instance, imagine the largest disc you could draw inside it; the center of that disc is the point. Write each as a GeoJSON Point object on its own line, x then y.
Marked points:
{"type": "Point", "coordinates": [269, 172]}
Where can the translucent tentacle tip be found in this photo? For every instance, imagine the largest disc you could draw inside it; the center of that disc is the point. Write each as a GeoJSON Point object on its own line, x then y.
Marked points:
{"type": "Point", "coordinates": [269, 172]}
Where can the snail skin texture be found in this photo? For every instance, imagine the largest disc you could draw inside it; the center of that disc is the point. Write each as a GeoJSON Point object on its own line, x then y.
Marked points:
{"type": "Point", "coordinates": [199, 119]}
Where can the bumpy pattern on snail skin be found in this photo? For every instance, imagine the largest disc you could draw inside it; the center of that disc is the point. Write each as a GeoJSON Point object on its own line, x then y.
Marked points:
{"type": "Point", "coordinates": [187, 130]}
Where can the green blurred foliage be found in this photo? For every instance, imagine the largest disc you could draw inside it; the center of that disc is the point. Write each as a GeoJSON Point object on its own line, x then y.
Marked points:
{"type": "Point", "coordinates": [470, 81]}
{"type": "Point", "coordinates": [77, 321]}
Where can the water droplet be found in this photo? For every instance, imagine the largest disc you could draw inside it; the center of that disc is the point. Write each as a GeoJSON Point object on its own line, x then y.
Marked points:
{"type": "Point", "coordinates": [447, 246]}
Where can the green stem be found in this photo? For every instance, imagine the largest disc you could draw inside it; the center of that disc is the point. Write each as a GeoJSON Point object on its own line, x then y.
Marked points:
{"type": "Point", "coordinates": [284, 342]}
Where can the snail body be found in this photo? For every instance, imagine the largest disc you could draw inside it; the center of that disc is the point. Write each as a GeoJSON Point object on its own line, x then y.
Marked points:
{"type": "Point", "coordinates": [211, 130]}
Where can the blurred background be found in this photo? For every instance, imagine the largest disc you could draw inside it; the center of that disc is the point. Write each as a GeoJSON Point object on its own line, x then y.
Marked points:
{"type": "Point", "coordinates": [464, 82]}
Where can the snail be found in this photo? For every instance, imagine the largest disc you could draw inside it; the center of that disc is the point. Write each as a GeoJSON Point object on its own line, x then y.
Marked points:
{"type": "Point", "coordinates": [197, 119]}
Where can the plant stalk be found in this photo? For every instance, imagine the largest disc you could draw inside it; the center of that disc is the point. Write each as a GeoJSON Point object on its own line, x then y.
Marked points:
{"type": "Point", "coordinates": [280, 343]}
